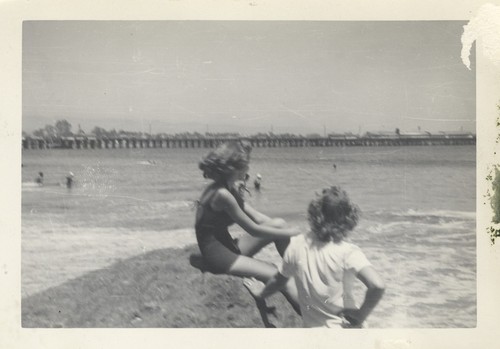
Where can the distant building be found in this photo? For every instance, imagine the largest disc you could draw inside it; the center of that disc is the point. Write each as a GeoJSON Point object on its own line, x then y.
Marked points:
{"type": "Point", "coordinates": [382, 134]}
{"type": "Point", "coordinates": [342, 136]}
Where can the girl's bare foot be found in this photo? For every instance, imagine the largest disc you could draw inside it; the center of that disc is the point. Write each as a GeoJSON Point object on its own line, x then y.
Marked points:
{"type": "Point", "coordinates": [254, 287]}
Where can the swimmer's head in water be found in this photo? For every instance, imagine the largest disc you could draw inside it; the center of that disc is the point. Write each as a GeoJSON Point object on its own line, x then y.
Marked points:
{"type": "Point", "coordinates": [332, 215]}
{"type": "Point", "coordinates": [224, 161]}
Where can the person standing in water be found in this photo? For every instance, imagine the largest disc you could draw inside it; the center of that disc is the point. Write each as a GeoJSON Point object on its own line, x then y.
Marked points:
{"type": "Point", "coordinates": [257, 182]}
{"type": "Point", "coordinates": [69, 180]}
{"type": "Point", "coordinates": [39, 179]}
{"type": "Point", "coordinates": [325, 267]}
{"type": "Point", "coordinates": [221, 205]}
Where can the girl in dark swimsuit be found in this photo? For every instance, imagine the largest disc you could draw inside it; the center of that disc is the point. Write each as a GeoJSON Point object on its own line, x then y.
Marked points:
{"type": "Point", "coordinates": [221, 205]}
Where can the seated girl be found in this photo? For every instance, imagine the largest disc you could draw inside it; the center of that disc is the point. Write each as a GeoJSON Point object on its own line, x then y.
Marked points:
{"type": "Point", "coordinates": [221, 205]}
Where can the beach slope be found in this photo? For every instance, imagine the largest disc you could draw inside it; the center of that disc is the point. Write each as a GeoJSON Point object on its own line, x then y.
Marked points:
{"type": "Point", "coordinates": [156, 289]}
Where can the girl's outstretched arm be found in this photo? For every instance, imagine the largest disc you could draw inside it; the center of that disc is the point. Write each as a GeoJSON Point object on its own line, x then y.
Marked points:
{"type": "Point", "coordinates": [256, 216]}
{"type": "Point", "coordinates": [225, 201]}
{"type": "Point", "coordinates": [375, 290]}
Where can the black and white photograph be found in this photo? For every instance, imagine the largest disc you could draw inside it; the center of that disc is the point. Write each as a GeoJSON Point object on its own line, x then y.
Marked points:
{"type": "Point", "coordinates": [138, 137]}
{"type": "Point", "coordinates": [219, 173]}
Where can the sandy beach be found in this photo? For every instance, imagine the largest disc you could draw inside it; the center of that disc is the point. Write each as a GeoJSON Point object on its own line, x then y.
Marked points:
{"type": "Point", "coordinates": [153, 289]}
{"type": "Point", "coordinates": [99, 265]}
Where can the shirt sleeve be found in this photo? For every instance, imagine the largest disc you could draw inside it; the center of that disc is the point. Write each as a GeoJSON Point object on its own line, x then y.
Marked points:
{"type": "Point", "coordinates": [287, 268]}
{"type": "Point", "coordinates": [356, 260]}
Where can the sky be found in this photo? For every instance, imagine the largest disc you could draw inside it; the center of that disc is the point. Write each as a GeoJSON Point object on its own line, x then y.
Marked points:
{"type": "Point", "coordinates": [298, 77]}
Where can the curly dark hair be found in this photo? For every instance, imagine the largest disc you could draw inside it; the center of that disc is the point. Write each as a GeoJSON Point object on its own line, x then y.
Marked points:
{"type": "Point", "coordinates": [332, 215]}
{"type": "Point", "coordinates": [224, 160]}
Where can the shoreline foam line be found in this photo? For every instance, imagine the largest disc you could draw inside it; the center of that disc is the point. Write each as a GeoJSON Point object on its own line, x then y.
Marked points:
{"type": "Point", "coordinates": [53, 258]}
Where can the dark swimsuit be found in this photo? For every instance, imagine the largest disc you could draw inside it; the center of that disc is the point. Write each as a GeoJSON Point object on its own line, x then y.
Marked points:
{"type": "Point", "coordinates": [218, 248]}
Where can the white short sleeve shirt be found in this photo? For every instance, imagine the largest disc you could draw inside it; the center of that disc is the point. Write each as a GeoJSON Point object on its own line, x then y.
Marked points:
{"type": "Point", "coordinates": [325, 273]}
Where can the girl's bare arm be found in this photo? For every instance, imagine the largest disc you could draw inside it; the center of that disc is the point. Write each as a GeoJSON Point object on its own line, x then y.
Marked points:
{"type": "Point", "coordinates": [375, 290]}
{"type": "Point", "coordinates": [224, 200]}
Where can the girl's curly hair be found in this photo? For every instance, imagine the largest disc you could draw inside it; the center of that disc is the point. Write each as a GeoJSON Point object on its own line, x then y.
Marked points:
{"type": "Point", "coordinates": [224, 160]}
{"type": "Point", "coordinates": [332, 215]}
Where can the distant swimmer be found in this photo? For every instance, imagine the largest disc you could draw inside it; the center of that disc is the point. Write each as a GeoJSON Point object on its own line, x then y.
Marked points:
{"type": "Point", "coordinates": [39, 179]}
{"type": "Point", "coordinates": [257, 182]}
{"type": "Point", "coordinates": [335, 167]}
{"type": "Point", "coordinates": [69, 180]}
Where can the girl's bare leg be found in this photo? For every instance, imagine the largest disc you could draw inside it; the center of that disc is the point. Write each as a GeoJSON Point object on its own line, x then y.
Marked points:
{"type": "Point", "coordinates": [249, 267]}
{"type": "Point", "coordinates": [281, 244]}
{"type": "Point", "coordinates": [250, 245]}
{"type": "Point", "coordinates": [245, 266]}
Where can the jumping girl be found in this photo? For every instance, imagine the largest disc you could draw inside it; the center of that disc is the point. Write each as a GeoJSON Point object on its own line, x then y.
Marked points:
{"type": "Point", "coordinates": [221, 205]}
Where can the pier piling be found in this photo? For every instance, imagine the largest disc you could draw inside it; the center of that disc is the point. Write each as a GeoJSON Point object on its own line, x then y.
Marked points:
{"type": "Point", "coordinates": [36, 143]}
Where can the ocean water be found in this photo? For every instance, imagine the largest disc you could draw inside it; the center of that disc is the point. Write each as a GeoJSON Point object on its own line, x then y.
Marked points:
{"type": "Point", "coordinates": [417, 226]}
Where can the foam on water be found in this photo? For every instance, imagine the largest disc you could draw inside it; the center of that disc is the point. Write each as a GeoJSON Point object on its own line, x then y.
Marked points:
{"type": "Point", "coordinates": [427, 259]}
{"type": "Point", "coordinates": [26, 185]}
{"type": "Point", "coordinates": [392, 227]}
{"type": "Point", "coordinates": [439, 214]}
{"type": "Point", "coordinates": [67, 251]}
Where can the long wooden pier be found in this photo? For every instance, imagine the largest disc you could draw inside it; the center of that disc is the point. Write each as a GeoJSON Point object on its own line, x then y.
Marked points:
{"type": "Point", "coordinates": [269, 142]}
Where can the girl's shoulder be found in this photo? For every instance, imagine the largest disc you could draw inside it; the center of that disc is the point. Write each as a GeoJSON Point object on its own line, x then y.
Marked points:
{"type": "Point", "coordinates": [222, 193]}
{"type": "Point", "coordinates": [221, 197]}
{"type": "Point", "coordinates": [340, 249]}
{"type": "Point", "coordinates": [351, 252]}
{"type": "Point", "coordinates": [299, 242]}
{"type": "Point", "coordinates": [300, 239]}
{"type": "Point", "coordinates": [347, 246]}
{"type": "Point", "coordinates": [209, 193]}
